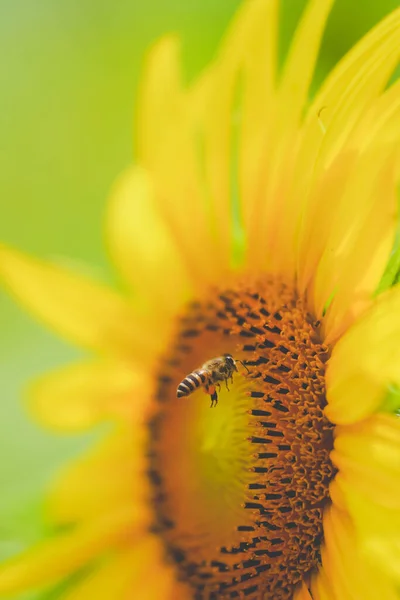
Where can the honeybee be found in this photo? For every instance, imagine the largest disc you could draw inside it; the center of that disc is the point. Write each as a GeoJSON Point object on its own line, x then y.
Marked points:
{"type": "Point", "coordinates": [209, 376]}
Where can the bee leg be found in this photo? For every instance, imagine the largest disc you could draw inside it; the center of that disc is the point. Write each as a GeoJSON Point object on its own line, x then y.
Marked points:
{"type": "Point", "coordinates": [214, 398]}
{"type": "Point", "coordinates": [213, 395]}
{"type": "Point", "coordinates": [226, 383]}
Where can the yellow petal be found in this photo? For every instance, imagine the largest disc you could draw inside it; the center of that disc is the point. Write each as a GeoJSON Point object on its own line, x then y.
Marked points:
{"type": "Point", "coordinates": [380, 121]}
{"type": "Point", "coordinates": [302, 593]}
{"type": "Point", "coordinates": [360, 241]}
{"type": "Point", "coordinates": [168, 148]}
{"type": "Point", "coordinates": [52, 560]}
{"type": "Point", "coordinates": [351, 574]}
{"type": "Point", "coordinates": [327, 192]}
{"type": "Point", "coordinates": [348, 92]}
{"type": "Point", "coordinates": [112, 474]}
{"type": "Point", "coordinates": [85, 311]}
{"type": "Point", "coordinates": [354, 242]}
{"type": "Point", "coordinates": [81, 395]}
{"type": "Point", "coordinates": [365, 362]}
{"type": "Point", "coordinates": [276, 214]}
{"type": "Point", "coordinates": [378, 529]}
{"type": "Point", "coordinates": [156, 577]}
{"type": "Point", "coordinates": [245, 69]}
{"type": "Point", "coordinates": [300, 63]}
{"type": "Point", "coordinates": [320, 587]}
{"type": "Point", "coordinates": [159, 97]}
{"type": "Point", "coordinates": [257, 91]}
{"type": "Point", "coordinates": [336, 493]}
{"type": "Point", "coordinates": [143, 248]}
{"type": "Point", "coordinates": [118, 578]}
{"type": "Point", "coordinates": [385, 551]}
{"type": "Point", "coordinates": [111, 580]}
{"type": "Point", "coordinates": [333, 575]}
{"type": "Point", "coordinates": [363, 74]}
{"type": "Point", "coordinates": [368, 455]}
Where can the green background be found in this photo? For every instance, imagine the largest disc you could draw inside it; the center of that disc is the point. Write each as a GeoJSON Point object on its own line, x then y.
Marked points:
{"type": "Point", "coordinates": [68, 74]}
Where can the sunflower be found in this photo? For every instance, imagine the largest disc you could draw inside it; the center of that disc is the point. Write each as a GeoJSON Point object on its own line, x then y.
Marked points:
{"type": "Point", "coordinates": [257, 229]}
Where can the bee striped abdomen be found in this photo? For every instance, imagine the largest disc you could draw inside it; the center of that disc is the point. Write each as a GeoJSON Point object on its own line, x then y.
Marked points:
{"type": "Point", "coordinates": [191, 382]}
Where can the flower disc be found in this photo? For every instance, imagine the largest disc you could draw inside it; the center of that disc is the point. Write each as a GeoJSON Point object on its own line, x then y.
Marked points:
{"type": "Point", "coordinates": [239, 489]}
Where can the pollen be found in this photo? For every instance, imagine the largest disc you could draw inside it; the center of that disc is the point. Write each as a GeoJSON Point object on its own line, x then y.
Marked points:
{"type": "Point", "coordinates": [239, 490]}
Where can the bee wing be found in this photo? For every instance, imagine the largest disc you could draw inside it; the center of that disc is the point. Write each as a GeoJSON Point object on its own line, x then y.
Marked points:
{"type": "Point", "coordinates": [212, 364]}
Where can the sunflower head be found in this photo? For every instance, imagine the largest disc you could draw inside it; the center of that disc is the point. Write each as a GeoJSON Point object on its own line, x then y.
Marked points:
{"type": "Point", "coordinates": [251, 370]}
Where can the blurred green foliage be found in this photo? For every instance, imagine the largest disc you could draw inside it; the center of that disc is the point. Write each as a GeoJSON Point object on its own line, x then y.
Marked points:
{"type": "Point", "coordinates": [68, 76]}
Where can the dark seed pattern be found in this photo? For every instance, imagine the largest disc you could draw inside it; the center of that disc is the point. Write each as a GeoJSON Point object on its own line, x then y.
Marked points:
{"type": "Point", "coordinates": [281, 346]}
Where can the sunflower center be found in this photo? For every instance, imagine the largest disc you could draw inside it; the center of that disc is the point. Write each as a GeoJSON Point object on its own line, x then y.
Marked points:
{"type": "Point", "coordinates": [239, 489]}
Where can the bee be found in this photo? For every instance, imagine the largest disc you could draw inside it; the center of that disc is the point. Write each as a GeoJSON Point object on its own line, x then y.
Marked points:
{"type": "Point", "coordinates": [209, 376]}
